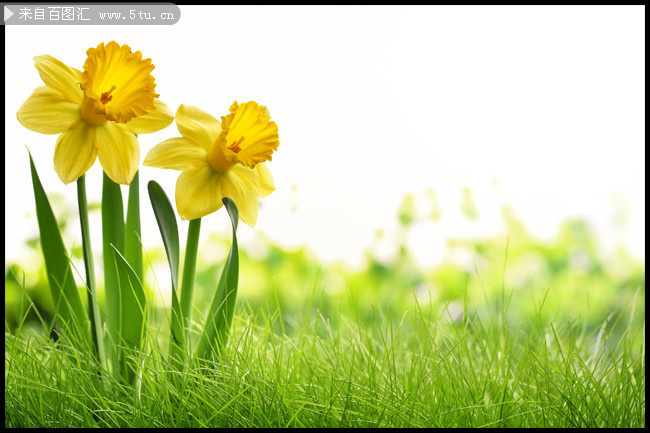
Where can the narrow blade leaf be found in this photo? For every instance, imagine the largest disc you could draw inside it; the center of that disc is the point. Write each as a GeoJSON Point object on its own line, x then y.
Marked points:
{"type": "Point", "coordinates": [112, 233]}
{"type": "Point", "coordinates": [94, 313]}
{"type": "Point", "coordinates": [67, 301]}
{"type": "Point", "coordinates": [219, 319]}
{"type": "Point", "coordinates": [132, 310]}
{"type": "Point", "coordinates": [132, 241]}
{"type": "Point", "coordinates": [166, 219]}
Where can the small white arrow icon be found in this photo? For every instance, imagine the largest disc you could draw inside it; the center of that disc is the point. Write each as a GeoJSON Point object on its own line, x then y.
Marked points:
{"type": "Point", "coordinates": [8, 13]}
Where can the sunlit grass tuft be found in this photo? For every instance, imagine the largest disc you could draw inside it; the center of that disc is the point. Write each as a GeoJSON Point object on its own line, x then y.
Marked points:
{"type": "Point", "coordinates": [426, 367]}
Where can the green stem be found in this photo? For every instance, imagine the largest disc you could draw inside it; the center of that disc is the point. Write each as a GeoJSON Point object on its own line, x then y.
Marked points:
{"type": "Point", "coordinates": [189, 269]}
{"type": "Point", "coordinates": [93, 301]}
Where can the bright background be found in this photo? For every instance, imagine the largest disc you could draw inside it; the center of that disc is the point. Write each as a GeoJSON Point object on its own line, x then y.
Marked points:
{"type": "Point", "coordinates": [541, 108]}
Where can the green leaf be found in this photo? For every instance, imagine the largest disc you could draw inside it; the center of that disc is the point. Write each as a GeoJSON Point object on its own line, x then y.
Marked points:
{"type": "Point", "coordinates": [94, 313]}
{"type": "Point", "coordinates": [133, 306]}
{"type": "Point", "coordinates": [112, 233]}
{"type": "Point", "coordinates": [69, 308]}
{"type": "Point", "coordinates": [132, 241]}
{"type": "Point", "coordinates": [219, 319]}
{"type": "Point", "coordinates": [166, 219]}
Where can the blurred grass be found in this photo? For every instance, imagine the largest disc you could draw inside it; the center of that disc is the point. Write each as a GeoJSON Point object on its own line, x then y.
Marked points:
{"type": "Point", "coordinates": [582, 283]}
{"type": "Point", "coordinates": [507, 331]}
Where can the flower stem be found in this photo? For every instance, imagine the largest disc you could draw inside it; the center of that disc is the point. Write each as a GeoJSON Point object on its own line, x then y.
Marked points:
{"type": "Point", "coordinates": [93, 301]}
{"type": "Point", "coordinates": [189, 269]}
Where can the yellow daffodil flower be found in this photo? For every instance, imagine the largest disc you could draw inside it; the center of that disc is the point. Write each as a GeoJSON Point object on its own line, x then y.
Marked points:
{"type": "Point", "coordinates": [98, 112]}
{"type": "Point", "coordinates": [220, 159]}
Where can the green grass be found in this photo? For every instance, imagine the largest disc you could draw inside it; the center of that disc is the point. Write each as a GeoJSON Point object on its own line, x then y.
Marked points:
{"type": "Point", "coordinates": [316, 345]}
{"type": "Point", "coordinates": [426, 366]}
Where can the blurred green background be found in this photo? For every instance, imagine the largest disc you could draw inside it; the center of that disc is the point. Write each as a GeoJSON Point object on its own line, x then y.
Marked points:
{"type": "Point", "coordinates": [512, 268]}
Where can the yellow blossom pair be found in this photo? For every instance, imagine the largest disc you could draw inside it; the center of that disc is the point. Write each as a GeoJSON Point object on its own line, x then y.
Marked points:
{"type": "Point", "coordinates": [99, 111]}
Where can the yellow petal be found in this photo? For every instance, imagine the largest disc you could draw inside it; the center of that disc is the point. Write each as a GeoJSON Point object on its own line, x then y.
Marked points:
{"type": "Point", "coordinates": [259, 177]}
{"type": "Point", "coordinates": [265, 186]}
{"type": "Point", "coordinates": [176, 153]}
{"type": "Point", "coordinates": [118, 152]}
{"type": "Point", "coordinates": [242, 189]}
{"type": "Point", "coordinates": [75, 152]}
{"type": "Point", "coordinates": [198, 192]}
{"type": "Point", "coordinates": [61, 77]}
{"type": "Point", "coordinates": [197, 125]}
{"type": "Point", "coordinates": [46, 111]}
{"type": "Point", "coordinates": [153, 121]}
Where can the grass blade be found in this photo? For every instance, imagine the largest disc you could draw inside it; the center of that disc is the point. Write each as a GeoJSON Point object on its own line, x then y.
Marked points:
{"type": "Point", "coordinates": [166, 219]}
{"type": "Point", "coordinates": [217, 327]}
{"type": "Point", "coordinates": [67, 301]}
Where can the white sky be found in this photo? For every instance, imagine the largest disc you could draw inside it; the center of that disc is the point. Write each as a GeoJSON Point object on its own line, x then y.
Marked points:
{"type": "Point", "coordinates": [375, 102]}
